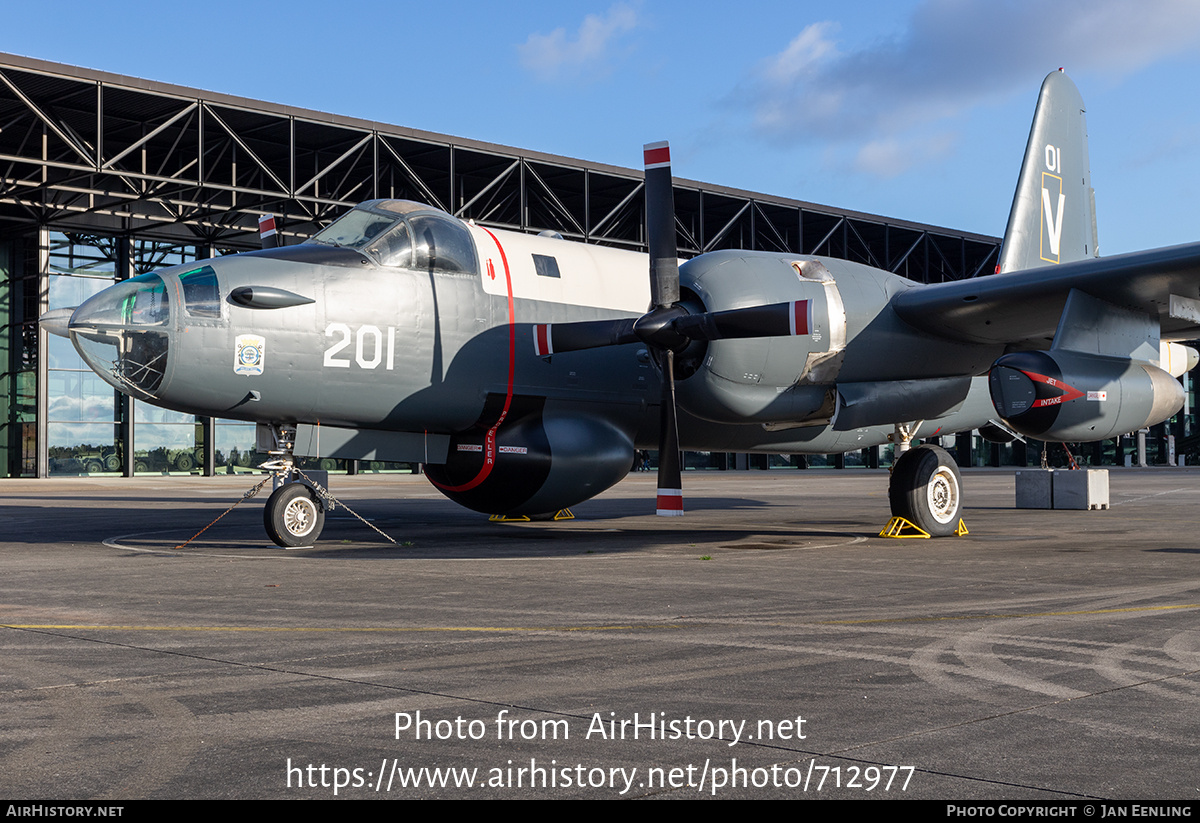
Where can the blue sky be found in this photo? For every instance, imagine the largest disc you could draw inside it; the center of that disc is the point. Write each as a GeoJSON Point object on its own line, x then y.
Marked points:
{"type": "Point", "coordinates": [916, 110]}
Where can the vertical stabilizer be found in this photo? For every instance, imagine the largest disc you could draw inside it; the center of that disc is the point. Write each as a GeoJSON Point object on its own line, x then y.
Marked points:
{"type": "Point", "coordinates": [1053, 217]}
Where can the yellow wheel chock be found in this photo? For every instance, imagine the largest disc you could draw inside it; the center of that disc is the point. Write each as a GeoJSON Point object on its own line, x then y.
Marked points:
{"type": "Point", "coordinates": [901, 527]}
{"type": "Point", "coordinates": [561, 514]}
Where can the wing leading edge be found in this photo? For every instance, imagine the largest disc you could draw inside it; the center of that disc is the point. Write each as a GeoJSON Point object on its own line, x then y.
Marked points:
{"type": "Point", "coordinates": [1023, 309]}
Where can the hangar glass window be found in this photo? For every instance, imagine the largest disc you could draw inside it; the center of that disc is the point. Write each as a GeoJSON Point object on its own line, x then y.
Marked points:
{"type": "Point", "coordinates": [442, 244]}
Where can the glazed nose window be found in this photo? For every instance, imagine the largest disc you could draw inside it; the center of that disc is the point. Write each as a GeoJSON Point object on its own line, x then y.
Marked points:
{"type": "Point", "coordinates": [122, 333]}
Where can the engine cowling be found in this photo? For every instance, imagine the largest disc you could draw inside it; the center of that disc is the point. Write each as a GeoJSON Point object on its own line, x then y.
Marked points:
{"type": "Point", "coordinates": [1066, 396]}
{"type": "Point", "coordinates": [769, 379]}
{"type": "Point", "coordinates": [534, 462]}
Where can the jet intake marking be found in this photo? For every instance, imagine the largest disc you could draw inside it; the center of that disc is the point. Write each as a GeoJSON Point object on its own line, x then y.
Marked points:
{"type": "Point", "coordinates": [1068, 392]}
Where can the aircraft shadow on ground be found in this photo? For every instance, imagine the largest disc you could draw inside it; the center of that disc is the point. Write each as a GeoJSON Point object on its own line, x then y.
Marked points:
{"type": "Point", "coordinates": [425, 529]}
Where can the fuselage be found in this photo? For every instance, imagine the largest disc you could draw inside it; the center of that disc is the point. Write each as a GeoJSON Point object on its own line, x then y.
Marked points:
{"type": "Point", "coordinates": [380, 337]}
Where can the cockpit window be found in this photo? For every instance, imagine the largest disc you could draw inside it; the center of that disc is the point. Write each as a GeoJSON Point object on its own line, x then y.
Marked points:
{"type": "Point", "coordinates": [422, 239]}
{"type": "Point", "coordinates": [146, 304]}
{"type": "Point", "coordinates": [442, 244]}
{"type": "Point", "coordinates": [356, 229]}
{"type": "Point", "coordinates": [200, 295]}
{"type": "Point", "coordinates": [393, 248]}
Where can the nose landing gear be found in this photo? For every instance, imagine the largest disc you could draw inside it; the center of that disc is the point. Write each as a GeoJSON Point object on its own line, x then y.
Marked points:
{"type": "Point", "coordinates": [294, 515]}
{"type": "Point", "coordinates": [295, 512]}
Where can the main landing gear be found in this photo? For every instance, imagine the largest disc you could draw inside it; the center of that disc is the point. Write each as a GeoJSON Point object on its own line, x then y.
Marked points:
{"type": "Point", "coordinates": [925, 490]}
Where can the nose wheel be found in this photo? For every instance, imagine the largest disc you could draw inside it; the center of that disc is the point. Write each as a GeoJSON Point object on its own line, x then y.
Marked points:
{"type": "Point", "coordinates": [294, 516]}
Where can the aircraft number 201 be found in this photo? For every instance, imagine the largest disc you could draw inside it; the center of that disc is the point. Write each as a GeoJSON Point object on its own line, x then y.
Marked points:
{"type": "Point", "coordinates": [372, 347]}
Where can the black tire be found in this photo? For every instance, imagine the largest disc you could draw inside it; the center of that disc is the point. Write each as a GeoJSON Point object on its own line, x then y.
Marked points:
{"type": "Point", "coordinates": [926, 490]}
{"type": "Point", "coordinates": [185, 462]}
{"type": "Point", "coordinates": [293, 516]}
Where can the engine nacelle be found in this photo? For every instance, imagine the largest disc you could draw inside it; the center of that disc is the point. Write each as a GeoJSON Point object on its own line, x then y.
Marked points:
{"type": "Point", "coordinates": [770, 379]}
{"type": "Point", "coordinates": [536, 464]}
{"type": "Point", "coordinates": [1067, 396]}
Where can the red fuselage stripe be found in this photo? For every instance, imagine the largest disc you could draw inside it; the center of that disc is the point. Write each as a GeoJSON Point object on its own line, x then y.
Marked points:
{"type": "Point", "coordinates": [489, 447]}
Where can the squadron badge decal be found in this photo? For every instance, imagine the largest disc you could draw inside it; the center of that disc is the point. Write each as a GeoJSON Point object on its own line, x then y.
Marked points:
{"type": "Point", "coordinates": [249, 354]}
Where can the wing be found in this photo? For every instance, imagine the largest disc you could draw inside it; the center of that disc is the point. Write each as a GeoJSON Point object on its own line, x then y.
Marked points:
{"type": "Point", "coordinates": [1023, 308]}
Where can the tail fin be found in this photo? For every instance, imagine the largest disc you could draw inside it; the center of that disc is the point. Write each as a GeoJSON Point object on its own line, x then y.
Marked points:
{"type": "Point", "coordinates": [1053, 217]}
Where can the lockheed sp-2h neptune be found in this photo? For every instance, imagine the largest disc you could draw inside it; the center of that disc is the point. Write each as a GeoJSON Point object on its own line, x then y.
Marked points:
{"type": "Point", "coordinates": [524, 371]}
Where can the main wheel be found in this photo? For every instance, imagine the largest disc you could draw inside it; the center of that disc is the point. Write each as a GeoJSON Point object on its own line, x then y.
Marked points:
{"type": "Point", "coordinates": [926, 490]}
{"type": "Point", "coordinates": [293, 516]}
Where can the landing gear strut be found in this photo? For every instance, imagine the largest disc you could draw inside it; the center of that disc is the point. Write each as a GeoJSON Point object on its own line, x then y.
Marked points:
{"type": "Point", "coordinates": [295, 512]}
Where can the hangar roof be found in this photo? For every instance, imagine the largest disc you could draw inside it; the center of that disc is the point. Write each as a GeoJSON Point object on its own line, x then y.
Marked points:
{"type": "Point", "coordinates": [93, 152]}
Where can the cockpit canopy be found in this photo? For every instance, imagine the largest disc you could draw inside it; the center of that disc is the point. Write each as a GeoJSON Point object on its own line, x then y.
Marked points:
{"type": "Point", "coordinates": [403, 234]}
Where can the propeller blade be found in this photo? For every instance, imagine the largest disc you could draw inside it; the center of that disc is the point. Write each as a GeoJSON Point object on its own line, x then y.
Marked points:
{"type": "Point", "coordinates": [553, 338]}
{"type": "Point", "coordinates": [660, 225]}
{"type": "Point", "coordinates": [775, 320]}
{"type": "Point", "coordinates": [670, 481]}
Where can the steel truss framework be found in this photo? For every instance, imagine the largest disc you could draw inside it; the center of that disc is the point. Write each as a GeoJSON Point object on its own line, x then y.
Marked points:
{"type": "Point", "coordinates": [140, 171]}
{"type": "Point", "coordinates": [89, 152]}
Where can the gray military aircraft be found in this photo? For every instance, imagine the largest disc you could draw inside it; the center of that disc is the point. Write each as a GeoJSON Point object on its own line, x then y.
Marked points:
{"type": "Point", "coordinates": [524, 371]}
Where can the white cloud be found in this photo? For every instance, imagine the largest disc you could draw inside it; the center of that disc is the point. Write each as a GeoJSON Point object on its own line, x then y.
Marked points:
{"type": "Point", "coordinates": [556, 55]}
{"type": "Point", "coordinates": [953, 55]}
{"type": "Point", "coordinates": [804, 55]}
{"type": "Point", "coordinates": [889, 157]}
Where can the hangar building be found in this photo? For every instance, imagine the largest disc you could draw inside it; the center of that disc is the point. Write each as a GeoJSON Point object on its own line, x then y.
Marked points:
{"type": "Point", "coordinates": [104, 177]}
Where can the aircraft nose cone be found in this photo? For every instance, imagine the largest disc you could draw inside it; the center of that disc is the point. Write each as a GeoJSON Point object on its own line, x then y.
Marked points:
{"type": "Point", "coordinates": [123, 334]}
{"type": "Point", "coordinates": [57, 321]}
